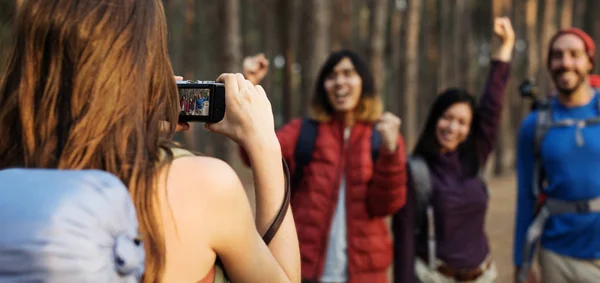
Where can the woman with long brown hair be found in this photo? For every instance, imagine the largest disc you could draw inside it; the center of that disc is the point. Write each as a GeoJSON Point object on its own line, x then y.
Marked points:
{"type": "Point", "coordinates": [74, 71]}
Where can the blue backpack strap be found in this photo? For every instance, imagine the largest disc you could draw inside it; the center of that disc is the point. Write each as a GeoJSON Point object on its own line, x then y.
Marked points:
{"type": "Point", "coordinates": [375, 143]}
{"type": "Point", "coordinates": [304, 148]}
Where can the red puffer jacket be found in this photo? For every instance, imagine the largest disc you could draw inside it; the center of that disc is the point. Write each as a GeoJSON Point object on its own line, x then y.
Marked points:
{"type": "Point", "coordinates": [372, 192]}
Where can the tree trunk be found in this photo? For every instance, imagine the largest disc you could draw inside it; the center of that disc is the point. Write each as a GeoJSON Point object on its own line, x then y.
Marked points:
{"type": "Point", "coordinates": [412, 72]}
{"type": "Point", "coordinates": [377, 43]}
{"type": "Point", "coordinates": [315, 21]}
{"type": "Point", "coordinates": [579, 13]}
{"type": "Point", "coordinates": [428, 80]}
{"type": "Point", "coordinates": [566, 15]}
{"type": "Point", "coordinates": [470, 60]}
{"type": "Point", "coordinates": [592, 24]}
{"type": "Point", "coordinates": [231, 62]}
{"type": "Point", "coordinates": [269, 43]}
{"type": "Point", "coordinates": [458, 43]}
{"type": "Point", "coordinates": [189, 39]}
{"type": "Point", "coordinates": [548, 30]}
{"type": "Point", "coordinates": [533, 54]}
{"type": "Point", "coordinates": [446, 52]}
{"type": "Point", "coordinates": [175, 27]}
{"type": "Point", "coordinates": [340, 31]}
{"type": "Point", "coordinates": [287, 36]}
{"type": "Point", "coordinates": [397, 60]}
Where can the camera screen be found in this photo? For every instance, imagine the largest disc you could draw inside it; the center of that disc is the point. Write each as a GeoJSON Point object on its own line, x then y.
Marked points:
{"type": "Point", "coordinates": [194, 101]}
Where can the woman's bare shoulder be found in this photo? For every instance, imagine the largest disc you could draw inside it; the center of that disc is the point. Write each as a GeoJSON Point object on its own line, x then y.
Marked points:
{"type": "Point", "coordinates": [194, 195]}
{"type": "Point", "coordinates": [190, 179]}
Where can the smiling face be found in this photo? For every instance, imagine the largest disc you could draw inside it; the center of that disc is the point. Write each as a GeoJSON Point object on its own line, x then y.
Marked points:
{"type": "Point", "coordinates": [569, 63]}
{"type": "Point", "coordinates": [453, 126]}
{"type": "Point", "coordinates": [343, 86]}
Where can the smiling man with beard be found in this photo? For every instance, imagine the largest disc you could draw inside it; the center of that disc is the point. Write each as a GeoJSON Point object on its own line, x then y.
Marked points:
{"type": "Point", "coordinates": [557, 165]}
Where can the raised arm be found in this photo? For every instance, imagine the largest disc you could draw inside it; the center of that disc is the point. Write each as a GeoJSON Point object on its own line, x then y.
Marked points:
{"type": "Point", "coordinates": [239, 244]}
{"type": "Point", "coordinates": [489, 109]}
{"type": "Point", "coordinates": [288, 137]}
{"type": "Point", "coordinates": [249, 122]}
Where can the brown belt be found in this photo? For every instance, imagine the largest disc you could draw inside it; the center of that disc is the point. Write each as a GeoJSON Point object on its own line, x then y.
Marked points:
{"type": "Point", "coordinates": [465, 274]}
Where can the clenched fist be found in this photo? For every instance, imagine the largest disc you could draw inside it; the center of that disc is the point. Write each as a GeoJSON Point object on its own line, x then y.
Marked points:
{"type": "Point", "coordinates": [389, 127]}
{"type": "Point", "coordinates": [504, 39]}
{"type": "Point", "coordinates": [504, 30]}
{"type": "Point", "coordinates": [256, 68]}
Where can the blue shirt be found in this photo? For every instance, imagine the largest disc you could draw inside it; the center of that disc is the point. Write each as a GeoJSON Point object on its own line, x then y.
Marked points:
{"type": "Point", "coordinates": [572, 173]}
{"type": "Point", "coordinates": [199, 102]}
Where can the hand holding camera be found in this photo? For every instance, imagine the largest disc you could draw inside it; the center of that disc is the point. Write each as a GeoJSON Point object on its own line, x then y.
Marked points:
{"type": "Point", "coordinates": [248, 118]}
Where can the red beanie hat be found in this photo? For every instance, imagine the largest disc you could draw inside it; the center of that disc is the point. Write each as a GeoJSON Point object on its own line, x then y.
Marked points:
{"type": "Point", "coordinates": [594, 81]}
{"type": "Point", "coordinates": [590, 47]}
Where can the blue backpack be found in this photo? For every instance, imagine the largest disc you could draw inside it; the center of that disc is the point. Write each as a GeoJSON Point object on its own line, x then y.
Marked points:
{"type": "Point", "coordinates": [67, 226]}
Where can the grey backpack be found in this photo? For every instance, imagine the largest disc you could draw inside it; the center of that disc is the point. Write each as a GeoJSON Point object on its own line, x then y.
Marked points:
{"type": "Point", "coordinates": [417, 168]}
{"type": "Point", "coordinates": [67, 226]}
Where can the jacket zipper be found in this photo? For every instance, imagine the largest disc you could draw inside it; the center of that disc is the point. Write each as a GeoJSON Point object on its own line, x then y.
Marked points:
{"type": "Point", "coordinates": [340, 171]}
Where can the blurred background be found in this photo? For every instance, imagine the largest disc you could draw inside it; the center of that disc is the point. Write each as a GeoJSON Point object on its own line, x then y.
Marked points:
{"type": "Point", "coordinates": [415, 48]}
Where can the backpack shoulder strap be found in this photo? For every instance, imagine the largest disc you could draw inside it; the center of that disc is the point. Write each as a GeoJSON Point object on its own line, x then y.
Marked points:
{"type": "Point", "coordinates": [597, 92]}
{"type": "Point", "coordinates": [542, 125]}
{"type": "Point", "coordinates": [419, 172]}
{"type": "Point", "coordinates": [375, 143]}
{"type": "Point", "coordinates": [304, 148]}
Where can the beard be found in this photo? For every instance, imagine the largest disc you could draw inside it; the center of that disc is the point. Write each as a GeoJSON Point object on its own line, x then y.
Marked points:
{"type": "Point", "coordinates": [567, 91]}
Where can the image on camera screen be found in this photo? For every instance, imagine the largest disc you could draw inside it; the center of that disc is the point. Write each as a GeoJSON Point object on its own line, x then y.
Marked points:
{"type": "Point", "coordinates": [194, 101]}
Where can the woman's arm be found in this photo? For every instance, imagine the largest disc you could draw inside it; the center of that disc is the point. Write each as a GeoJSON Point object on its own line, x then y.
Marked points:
{"type": "Point", "coordinates": [207, 214]}
{"type": "Point", "coordinates": [249, 122]}
{"type": "Point", "coordinates": [489, 109]}
{"type": "Point", "coordinates": [288, 137]}
{"type": "Point", "coordinates": [239, 244]}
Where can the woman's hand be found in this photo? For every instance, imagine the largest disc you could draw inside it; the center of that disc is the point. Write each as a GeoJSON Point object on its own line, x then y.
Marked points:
{"type": "Point", "coordinates": [505, 34]}
{"type": "Point", "coordinates": [256, 68]}
{"type": "Point", "coordinates": [248, 117]}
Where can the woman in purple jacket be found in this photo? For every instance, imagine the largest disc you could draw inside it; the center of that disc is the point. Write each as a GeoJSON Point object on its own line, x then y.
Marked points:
{"type": "Point", "coordinates": [458, 137]}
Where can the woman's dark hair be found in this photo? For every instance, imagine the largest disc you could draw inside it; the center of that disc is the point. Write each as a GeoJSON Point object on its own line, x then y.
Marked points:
{"type": "Point", "coordinates": [369, 108]}
{"type": "Point", "coordinates": [428, 145]}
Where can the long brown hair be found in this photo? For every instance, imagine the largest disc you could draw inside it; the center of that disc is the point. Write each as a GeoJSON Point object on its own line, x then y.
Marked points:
{"type": "Point", "coordinates": [86, 85]}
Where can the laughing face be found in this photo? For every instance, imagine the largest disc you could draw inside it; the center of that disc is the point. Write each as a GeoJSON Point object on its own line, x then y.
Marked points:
{"type": "Point", "coordinates": [343, 86]}
{"type": "Point", "coordinates": [453, 126]}
{"type": "Point", "coordinates": [569, 63]}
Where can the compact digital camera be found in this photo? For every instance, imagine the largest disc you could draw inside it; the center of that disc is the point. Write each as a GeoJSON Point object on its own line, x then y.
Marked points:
{"type": "Point", "coordinates": [201, 101]}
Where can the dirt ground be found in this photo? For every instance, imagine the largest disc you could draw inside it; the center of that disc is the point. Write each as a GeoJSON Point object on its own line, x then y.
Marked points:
{"type": "Point", "coordinates": [499, 224]}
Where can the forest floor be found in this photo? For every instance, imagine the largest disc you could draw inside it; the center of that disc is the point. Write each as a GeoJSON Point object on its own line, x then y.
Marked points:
{"type": "Point", "coordinates": [499, 223]}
